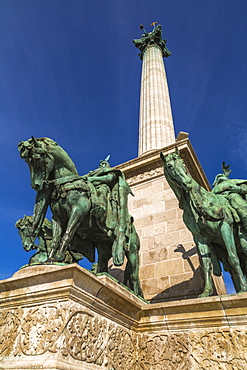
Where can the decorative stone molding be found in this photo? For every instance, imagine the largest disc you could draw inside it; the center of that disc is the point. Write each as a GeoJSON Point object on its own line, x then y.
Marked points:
{"type": "Point", "coordinates": [219, 349]}
{"type": "Point", "coordinates": [85, 338]}
{"type": "Point", "coordinates": [73, 322]}
{"type": "Point", "coordinates": [144, 174]}
{"type": "Point", "coordinates": [63, 329]}
{"type": "Point", "coordinates": [151, 160]}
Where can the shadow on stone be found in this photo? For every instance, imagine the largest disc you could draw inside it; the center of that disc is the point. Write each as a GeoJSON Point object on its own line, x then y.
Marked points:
{"type": "Point", "coordinates": [181, 290]}
{"type": "Point", "coordinates": [187, 289]}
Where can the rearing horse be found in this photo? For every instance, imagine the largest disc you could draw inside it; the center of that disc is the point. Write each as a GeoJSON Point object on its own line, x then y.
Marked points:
{"type": "Point", "coordinates": [209, 217]}
{"type": "Point", "coordinates": [58, 185]}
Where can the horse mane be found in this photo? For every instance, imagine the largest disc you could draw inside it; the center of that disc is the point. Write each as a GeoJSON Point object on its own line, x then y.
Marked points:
{"type": "Point", "coordinates": [173, 185]}
{"type": "Point", "coordinates": [60, 155]}
{"type": "Point", "coordinates": [178, 189]}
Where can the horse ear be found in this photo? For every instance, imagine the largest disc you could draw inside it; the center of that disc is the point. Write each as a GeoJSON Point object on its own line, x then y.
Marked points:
{"type": "Point", "coordinates": [177, 151]}
{"type": "Point", "coordinates": [162, 157]}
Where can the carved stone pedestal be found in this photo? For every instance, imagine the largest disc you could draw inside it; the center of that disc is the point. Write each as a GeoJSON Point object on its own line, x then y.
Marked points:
{"type": "Point", "coordinates": [55, 317]}
{"type": "Point", "coordinates": [66, 318]}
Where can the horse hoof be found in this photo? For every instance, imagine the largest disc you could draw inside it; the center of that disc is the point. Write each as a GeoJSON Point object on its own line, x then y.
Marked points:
{"type": "Point", "coordinates": [206, 293]}
{"type": "Point", "coordinates": [50, 260]}
{"type": "Point", "coordinates": [118, 259]}
{"type": "Point", "coordinates": [60, 257]}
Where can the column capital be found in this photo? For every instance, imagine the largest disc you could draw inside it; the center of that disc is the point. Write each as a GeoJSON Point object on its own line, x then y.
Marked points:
{"type": "Point", "coordinates": [151, 38]}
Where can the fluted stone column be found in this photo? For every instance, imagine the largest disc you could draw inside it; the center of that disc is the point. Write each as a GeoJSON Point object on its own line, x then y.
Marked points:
{"type": "Point", "coordinates": [156, 129]}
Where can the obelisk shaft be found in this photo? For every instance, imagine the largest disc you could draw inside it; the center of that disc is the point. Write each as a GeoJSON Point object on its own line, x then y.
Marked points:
{"type": "Point", "coordinates": [156, 129]}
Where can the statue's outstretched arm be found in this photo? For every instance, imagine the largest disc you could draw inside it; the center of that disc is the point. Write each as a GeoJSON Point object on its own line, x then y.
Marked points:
{"type": "Point", "coordinates": [105, 179]}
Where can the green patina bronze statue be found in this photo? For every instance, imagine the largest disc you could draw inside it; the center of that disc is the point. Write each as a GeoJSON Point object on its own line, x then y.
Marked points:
{"type": "Point", "coordinates": [150, 38]}
{"type": "Point", "coordinates": [43, 248]}
{"type": "Point", "coordinates": [24, 226]}
{"type": "Point", "coordinates": [234, 191]}
{"type": "Point", "coordinates": [88, 211]}
{"type": "Point", "coordinates": [216, 220]}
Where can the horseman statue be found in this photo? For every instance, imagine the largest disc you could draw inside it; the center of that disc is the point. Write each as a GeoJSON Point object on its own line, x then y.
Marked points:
{"type": "Point", "coordinates": [109, 196]}
{"type": "Point", "coordinates": [88, 212]}
{"type": "Point", "coordinates": [234, 191]}
{"type": "Point", "coordinates": [217, 220]}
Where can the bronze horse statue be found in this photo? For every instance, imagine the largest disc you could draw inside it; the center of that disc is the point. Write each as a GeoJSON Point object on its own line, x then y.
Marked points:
{"type": "Point", "coordinates": [44, 239]}
{"type": "Point", "coordinates": [74, 226]}
{"type": "Point", "coordinates": [210, 219]}
{"type": "Point", "coordinates": [24, 226]}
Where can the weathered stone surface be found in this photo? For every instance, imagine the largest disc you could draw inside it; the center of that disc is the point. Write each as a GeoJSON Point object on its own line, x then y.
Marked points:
{"type": "Point", "coordinates": [66, 318]}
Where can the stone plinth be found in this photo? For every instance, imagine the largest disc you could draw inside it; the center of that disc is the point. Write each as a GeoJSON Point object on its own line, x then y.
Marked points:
{"type": "Point", "coordinates": [66, 318]}
{"type": "Point", "coordinates": [169, 263]}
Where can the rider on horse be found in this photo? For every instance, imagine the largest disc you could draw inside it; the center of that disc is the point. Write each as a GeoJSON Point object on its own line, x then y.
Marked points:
{"type": "Point", "coordinates": [234, 191]}
{"type": "Point", "coordinates": [109, 195]}
{"type": "Point", "coordinates": [103, 179]}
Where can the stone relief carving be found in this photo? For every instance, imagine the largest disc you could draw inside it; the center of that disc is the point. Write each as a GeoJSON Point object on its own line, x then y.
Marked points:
{"type": "Point", "coordinates": [9, 329]}
{"type": "Point", "coordinates": [121, 349]}
{"type": "Point", "coordinates": [144, 173]}
{"type": "Point", "coordinates": [68, 331]}
{"type": "Point", "coordinates": [222, 349]}
{"type": "Point", "coordinates": [168, 351]}
{"type": "Point", "coordinates": [85, 338]}
{"type": "Point", "coordinates": [40, 329]}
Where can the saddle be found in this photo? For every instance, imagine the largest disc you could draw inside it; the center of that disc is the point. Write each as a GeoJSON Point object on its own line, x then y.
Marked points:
{"type": "Point", "coordinates": [63, 185]}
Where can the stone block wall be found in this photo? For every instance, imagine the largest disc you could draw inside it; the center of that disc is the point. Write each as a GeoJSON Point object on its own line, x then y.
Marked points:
{"type": "Point", "coordinates": [169, 265]}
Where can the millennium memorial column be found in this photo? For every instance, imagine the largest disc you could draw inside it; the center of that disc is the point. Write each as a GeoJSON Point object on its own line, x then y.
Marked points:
{"type": "Point", "coordinates": [169, 264]}
{"type": "Point", "coordinates": [156, 128]}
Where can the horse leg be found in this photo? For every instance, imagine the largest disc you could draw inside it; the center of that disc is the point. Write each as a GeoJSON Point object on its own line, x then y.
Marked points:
{"type": "Point", "coordinates": [104, 254]}
{"type": "Point", "coordinates": [56, 236]}
{"type": "Point", "coordinates": [228, 268]}
{"type": "Point", "coordinates": [227, 235]}
{"type": "Point", "coordinates": [131, 272]}
{"type": "Point", "coordinates": [80, 206]}
{"type": "Point", "coordinates": [242, 233]}
{"type": "Point", "coordinates": [205, 254]}
{"type": "Point", "coordinates": [235, 280]}
{"type": "Point", "coordinates": [76, 216]}
{"type": "Point", "coordinates": [127, 273]}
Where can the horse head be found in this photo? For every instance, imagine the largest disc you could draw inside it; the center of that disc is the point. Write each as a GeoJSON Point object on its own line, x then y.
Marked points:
{"type": "Point", "coordinates": [46, 161]}
{"type": "Point", "coordinates": [40, 161]}
{"type": "Point", "coordinates": [24, 226]}
{"type": "Point", "coordinates": [175, 170]}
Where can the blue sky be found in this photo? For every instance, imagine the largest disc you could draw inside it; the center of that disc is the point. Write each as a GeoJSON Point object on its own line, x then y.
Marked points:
{"type": "Point", "coordinates": [69, 71]}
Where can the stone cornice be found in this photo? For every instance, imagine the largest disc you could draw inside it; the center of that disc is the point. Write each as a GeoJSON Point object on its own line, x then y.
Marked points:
{"type": "Point", "coordinates": [149, 165]}
{"type": "Point", "coordinates": [102, 295]}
